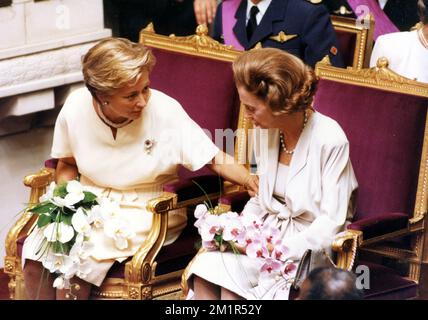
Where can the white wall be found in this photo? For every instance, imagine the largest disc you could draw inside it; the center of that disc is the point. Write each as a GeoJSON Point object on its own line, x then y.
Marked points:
{"type": "Point", "coordinates": [20, 155]}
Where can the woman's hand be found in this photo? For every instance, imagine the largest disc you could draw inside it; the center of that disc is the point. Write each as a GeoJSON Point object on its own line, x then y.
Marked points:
{"type": "Point", "coordinates": [252, 185]}
{"type": "Point", "coordinates": [205, 10]}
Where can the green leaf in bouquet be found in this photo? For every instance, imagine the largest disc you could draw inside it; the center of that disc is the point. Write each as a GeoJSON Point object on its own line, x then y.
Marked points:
{"type": "Point", "coordinates": [43, 220]}
{"type": "Point", "coordinates": [60, 190]}
{"type": "Point", "coordinates": [208, 204]}
{"type": "Point", "coordinates": [45, 207]}
{"type": "Point", "coordinates": [66, 219]}
{"type": "Point", "coordinates": [59, 247]}
{"type": "Point", "coordinates": [67, 211]}
{"type": "Point", "coordinates": [218, 238]}
{"type": "Point", "coordinates": [89, 197]}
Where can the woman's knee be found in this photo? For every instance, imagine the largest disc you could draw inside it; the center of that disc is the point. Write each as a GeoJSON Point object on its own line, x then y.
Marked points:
{"type": "Point", "coordinates": [33, 269]}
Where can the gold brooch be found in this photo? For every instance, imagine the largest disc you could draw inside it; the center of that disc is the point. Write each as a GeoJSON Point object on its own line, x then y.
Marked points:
{"type": "Point", "coordinates": [283, 37]}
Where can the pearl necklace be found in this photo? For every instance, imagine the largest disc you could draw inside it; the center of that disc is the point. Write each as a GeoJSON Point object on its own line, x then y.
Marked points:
{"type": "Point", "coordinates": [109, 122]}
{"type": "Point", "coordinates": [422, 38]}
{"type": "Point", "coordinates": [282, 139]}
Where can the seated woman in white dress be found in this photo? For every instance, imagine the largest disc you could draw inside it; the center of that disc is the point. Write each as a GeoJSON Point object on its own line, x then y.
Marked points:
{"type": "Point", "coordinates": [306, 182]}
{"type": "Point", "coordinates": [102, 135]}
{"type": "Point", "coordinates": [407, 52]}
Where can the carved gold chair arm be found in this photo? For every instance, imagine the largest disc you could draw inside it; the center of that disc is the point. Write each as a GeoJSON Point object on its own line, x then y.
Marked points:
{"type": "Point", "coordinates": [37, 182]}
{"type": "Point", "coordinates": [346, 244]}
{"type": "Point", "coordinates": [140, 270]}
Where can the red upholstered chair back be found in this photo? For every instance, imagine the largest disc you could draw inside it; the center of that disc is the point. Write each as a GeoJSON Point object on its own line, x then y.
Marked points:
{"type": "Point", "coordinates": [204, 87]}
{"type": "Point", "coordinates": [347, 43]}
{"type": "Point", "coordinates": [386, 134]}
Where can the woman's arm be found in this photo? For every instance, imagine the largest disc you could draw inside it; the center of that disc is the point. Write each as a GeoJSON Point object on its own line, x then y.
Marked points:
{"type": "Point", "coordinates": [225, 166]}
{"type": "Point", "coordinates": [66, 170]}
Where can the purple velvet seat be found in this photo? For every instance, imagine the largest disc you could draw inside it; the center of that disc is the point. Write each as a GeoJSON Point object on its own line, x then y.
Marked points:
{"type": "Point", "coordinates": [386, 133]}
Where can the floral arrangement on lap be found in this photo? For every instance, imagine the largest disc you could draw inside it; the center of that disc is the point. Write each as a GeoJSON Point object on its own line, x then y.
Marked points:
{"type": "Point", "coordinates": [248, 235]}
{"type": "Point", "coordinates": [67, 214]}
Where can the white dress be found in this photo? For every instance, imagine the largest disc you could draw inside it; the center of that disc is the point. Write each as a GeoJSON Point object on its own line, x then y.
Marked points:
{"type": "Point", "coordinates": [405, 53]}
{"type": "Point", "coordinates": [122, 169]}
{"type": "Point", "coordinates": [317, 192]}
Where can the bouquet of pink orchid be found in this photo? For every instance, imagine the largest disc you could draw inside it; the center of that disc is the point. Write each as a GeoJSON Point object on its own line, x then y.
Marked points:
{"type": "Point", "coordinates": [220, 231]}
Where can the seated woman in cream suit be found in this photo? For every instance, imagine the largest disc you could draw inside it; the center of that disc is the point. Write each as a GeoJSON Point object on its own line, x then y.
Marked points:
{"type": "Point", "coordinates": [101, 135]}
{"type": "Point", "coordinates": [306, 177]}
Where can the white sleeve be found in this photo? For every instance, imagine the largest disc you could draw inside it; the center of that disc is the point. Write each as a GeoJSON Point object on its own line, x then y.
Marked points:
{"type": "Point", "coordinates": [253, 207]}
{"type": "Point", "coordinates": [61, 142]}
{"type": "Point", "coordinates": [338, 184]}
{"type": "Point", "coordinates": [378, 51]}
{"type": "Point", "coordinates": [197, 148]}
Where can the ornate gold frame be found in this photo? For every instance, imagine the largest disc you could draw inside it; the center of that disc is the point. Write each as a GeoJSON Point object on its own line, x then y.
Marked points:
{"type": "Point", "coordinates": [380, 77]}
{"type": "Point", "coordinates": [364, 41]}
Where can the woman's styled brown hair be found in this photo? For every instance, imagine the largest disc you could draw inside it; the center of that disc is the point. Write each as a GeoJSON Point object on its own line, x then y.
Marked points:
{"type": "Point", "coordinates": [279, 78]}
{"type": "Point", "coordinates": [423, 12]}
{"type": "Point", "coordinates": [114, 63]}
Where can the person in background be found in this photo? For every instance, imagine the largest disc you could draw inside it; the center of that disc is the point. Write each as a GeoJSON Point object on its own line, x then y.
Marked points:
{"type": "Point", "coordinates": [127, 17]}
{"type": "Point", "coordinates": [403, 13]}
{"type": "Point", "coordinates": [407, 51]}
{"type": "Point", "coordinates": [329, 283]}
{"type": "Point", "coordinates": [300, 27]}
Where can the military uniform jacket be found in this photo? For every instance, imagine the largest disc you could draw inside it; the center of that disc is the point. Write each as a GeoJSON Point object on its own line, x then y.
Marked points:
{"type": "Point", "coordinates": [297, 26]}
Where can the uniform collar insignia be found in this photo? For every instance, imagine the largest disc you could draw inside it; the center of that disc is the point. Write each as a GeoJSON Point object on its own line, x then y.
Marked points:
{"type": "Point", "coordinates": [283, 37]}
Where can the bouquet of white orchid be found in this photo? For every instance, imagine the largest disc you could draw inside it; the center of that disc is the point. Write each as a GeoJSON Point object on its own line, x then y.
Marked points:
{"type": "Point", "coordinates": [67, 213]}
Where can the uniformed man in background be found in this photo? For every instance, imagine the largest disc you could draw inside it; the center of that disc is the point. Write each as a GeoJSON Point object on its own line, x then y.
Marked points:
{"type": "Point", "coordinates": [301, 27]}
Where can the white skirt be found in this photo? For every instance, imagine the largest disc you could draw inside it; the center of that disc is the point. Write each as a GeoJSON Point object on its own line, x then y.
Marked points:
{"type": "Point", "coordinates": [237, 273]}
{"type": "Point", "coordinates": [105, 253]}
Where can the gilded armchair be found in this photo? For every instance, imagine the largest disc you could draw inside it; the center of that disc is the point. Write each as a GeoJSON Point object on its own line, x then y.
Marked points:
{"type": "Point", "coordinates": [386, 121]}
{"type": "Point", "coordinates": [196, 71]}
{"type": "Point", "coordinates": [385, 118]}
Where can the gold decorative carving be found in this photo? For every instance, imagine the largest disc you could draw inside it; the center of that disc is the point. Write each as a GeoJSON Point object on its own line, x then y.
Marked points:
{"type": "Point", "coordinates": [163, 203]}
{"type": "Point", "coordinates": [379, 77]}
{"type": "Point", "coordinates": [150, 28]}
{"type": "Point", "coordinates": [134, 293]}
{"type": "Point", "coordinates": [11, 287]}
{"type": "Point", "coordinates": [346, 244]}
{"type": "Point", "coordinates": [9, 265]}
{"type": "Point", "coordinates": [147, 272]}
{"type": "Point", "coordinates": [199, 44]}
{"type": "Point", "coordinates": [146, 293]}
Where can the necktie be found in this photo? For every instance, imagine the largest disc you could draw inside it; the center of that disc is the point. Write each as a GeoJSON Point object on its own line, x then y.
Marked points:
{"type": "Point", "coordinates": [252, 23]}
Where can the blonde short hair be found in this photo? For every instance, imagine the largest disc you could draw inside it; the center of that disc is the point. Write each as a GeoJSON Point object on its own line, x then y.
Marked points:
{"type": "Point", "coordinates": [114, 63]}
{"type": "Point", "coordinates": [277, 77]}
